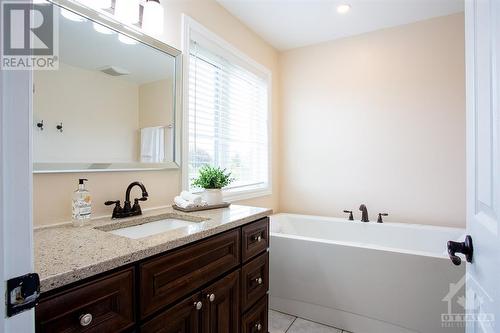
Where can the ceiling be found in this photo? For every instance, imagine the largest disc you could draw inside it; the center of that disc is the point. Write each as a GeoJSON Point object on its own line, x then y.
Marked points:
{"type": "Point", "coordinates": [288, 24]}
{"type": "Point", "coordinates": [81, 46]}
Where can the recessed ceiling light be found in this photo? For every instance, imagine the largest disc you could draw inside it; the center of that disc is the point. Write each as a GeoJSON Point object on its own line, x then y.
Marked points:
{"type": "Point", "coordinates": [342, 9]}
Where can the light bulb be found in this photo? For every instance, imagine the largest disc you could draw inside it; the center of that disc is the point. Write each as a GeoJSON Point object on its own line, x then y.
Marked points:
{"type": "Point", "coordinates": [343, 9]}
{"type": "Point", "coordinates": [72, 16]}
{"type": "Point", "coordinates": [126, 40]}
{"type": "Point", "coordinates": [102, 29]}
{"type": "Point", "coordinates": [127, 10]}
{"type": "Point", "coordinates": [152, 18]}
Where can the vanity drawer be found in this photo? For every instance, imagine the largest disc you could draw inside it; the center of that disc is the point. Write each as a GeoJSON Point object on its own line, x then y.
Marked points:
{"type": "Point", "coordinates": [255, 320]}
{"type": "Point", "coordinates": [254, 280]}
{"type": "Point", "coordinates": [255, 238]}
{"type": "Point", "coordinates": [168, 278]}
{"type": "Point", "coordinates": [104, 305]}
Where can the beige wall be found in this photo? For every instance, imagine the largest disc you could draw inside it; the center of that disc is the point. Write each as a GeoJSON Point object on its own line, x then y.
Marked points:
{"type": "Point", "coordinates": [52, 193]}
{"type": "Point", "coordinates": [88, 103]}
{"type": "Point", "coordinates": [156, 109]}
{"type": "Point", "coordinates": [378, 119]}
{"type": "Point", "coordinates": [155, 103]}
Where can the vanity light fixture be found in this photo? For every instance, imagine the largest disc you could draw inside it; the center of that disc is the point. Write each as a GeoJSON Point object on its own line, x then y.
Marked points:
{"type": "Point", "coordinates": [102, 29]}
{"type": "Point", "coordinates": [127, 11]}
{"type": "Point", "coordinates": [152, 17]}
{"type": "Point", "coordinates": [72, 16]}
{"type": "Point", "coordinates": [126, 40]}
{"type": "Point", "coordinates": [343, 9]}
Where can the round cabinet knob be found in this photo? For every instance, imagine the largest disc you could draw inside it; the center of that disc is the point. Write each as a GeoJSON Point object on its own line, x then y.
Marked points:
{"type": "Point", "coordinates": [211, 297]}
{"type": "Point", "coordinates": [258, 327]}
{"type": "Point", "coordinates": [258, 280]}
{"type": "Point", "coordinates": [198, 305]}
{"type": "Point", "coordinates": [85, 319]}
{"type": "Point", "coordinates": [259, 239]}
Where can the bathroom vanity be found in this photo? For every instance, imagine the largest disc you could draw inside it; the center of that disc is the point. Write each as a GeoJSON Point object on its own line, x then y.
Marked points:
{"type": "Point", "coordinates": [208, 277]}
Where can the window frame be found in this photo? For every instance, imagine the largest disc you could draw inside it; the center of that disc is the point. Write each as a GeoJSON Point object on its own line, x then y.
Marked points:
{"type": "Point", "coordinates": [190, 27]}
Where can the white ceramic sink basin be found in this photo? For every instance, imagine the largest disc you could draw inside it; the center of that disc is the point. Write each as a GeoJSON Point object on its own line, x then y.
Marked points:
{"type": "Point", "coordinates": [151, 228]}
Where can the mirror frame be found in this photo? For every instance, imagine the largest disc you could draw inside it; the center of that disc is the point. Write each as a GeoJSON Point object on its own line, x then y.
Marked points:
{"type": "Point", "coordinates": [135, 33]}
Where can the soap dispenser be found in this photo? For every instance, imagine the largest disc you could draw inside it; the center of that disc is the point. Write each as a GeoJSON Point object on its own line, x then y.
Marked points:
{"type": "Point", "coordinates": [82, 204]}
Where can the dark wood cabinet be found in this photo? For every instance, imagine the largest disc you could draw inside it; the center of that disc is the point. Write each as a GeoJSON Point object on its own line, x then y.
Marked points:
{"type": "Point", "coordinates": [167, 278]}
{"type": "Point", "coordinates": [254, 280]}
{"type": "Point", "coordinates": [184, 317]}
{"type": "Point", "coordinates": [104, 305]}
{"type": "Point", "coordinates": [221, 313]}
{"type": "Point", "coordinates": [254, 238]}
{"type": "Point", "coordinates": [256, 319]}
{"type": "Point", "coordinates": [215, 285]}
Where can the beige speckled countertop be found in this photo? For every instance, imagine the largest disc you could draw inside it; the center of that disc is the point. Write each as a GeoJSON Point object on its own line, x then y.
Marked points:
{"type": "Point", "coordinates": [66, 254]}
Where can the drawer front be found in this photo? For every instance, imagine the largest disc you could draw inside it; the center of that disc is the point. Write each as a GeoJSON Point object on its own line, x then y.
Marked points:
{"type": "Point", "coordinates": [254, 280]}
{"type": "Point", "coordinates": [166, 279]}
{"type": "Point", "coordinates": [182, 317]}
{"type": "Point", "coordinates": [255, 238]}
{"type": "Point", "coordinates": [104, 305]}
{"type": "Point", "coordinates": [255, 320]}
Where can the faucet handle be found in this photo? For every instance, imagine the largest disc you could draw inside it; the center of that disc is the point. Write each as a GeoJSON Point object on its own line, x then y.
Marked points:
{"type": "Point", "coordinates": [117, 210]}
{"type": "Point", "coordinates": [380, 220]}
{"type": "Point", "coordinates": [351, 218]}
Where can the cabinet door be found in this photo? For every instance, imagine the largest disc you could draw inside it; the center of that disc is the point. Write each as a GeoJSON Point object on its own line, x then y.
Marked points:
{"type": "Point", "coordinates": [184, 317]}
{"type": "Point", "coordinates": [221, 313]}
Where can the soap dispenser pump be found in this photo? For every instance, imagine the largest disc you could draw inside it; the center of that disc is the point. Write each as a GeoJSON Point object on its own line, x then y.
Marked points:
{"type": "Point", "coordinates": [82, 204]}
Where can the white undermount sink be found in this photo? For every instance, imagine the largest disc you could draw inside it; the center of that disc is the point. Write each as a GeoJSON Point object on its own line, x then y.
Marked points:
{"type": "Point", "coordinates": [151, 228]}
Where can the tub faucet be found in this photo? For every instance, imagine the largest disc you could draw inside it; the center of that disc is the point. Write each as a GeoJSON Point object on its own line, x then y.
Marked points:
{"type": "Point", "coordinates": [364, 213]}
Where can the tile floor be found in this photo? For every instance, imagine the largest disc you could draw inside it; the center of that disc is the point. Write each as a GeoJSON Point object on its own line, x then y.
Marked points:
{"type": "Point", "coordinates": [284, 323]}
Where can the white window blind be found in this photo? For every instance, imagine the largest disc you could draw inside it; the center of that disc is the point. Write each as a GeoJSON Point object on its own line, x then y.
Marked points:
{"type": "Point", "coordinates": [228, 119]}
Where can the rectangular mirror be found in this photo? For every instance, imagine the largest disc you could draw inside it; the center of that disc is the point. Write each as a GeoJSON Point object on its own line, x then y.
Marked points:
{"type": "Point", "coordinates": [113, 104]}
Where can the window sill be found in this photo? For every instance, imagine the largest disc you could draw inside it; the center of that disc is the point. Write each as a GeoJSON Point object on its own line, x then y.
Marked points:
{"type": "Point", "coordinates": [237, 195]}
{"type": "Point", "coordinates": [244, 194]}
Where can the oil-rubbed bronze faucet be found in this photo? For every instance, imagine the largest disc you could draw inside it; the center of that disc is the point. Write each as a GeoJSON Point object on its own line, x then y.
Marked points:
{"type": "Point", "coordinates": [128, 210]}
{"type": "Point", "coordinates": [364, 213]}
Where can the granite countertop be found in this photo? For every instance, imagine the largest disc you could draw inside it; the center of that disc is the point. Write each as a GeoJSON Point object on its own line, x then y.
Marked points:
{"type": "Point", "coordinates": [66, 254]}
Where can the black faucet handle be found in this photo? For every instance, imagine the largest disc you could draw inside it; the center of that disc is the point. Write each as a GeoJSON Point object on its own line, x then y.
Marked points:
{"type": "Point", "coordinates": [117, 210]}
{"type": "Point", "coordinates": [351, 217]}
{"type": "Point", "coordinates": [380, 220]}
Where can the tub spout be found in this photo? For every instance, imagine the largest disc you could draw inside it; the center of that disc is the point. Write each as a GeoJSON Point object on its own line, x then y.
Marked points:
{"type": "Point", "coordinates": [364, 213]}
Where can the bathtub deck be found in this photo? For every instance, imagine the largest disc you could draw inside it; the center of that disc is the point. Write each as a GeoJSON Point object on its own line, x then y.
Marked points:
{"type": "Point", "coordinates": [284, 323]}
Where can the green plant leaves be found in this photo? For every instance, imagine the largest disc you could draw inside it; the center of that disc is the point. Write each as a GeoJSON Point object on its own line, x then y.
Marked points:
{"type": "Point", "coordinates": [212, 178]}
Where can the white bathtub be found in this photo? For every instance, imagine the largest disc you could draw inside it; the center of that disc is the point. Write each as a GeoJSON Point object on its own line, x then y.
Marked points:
{"type": "Point", "coordinates": [363, 277]}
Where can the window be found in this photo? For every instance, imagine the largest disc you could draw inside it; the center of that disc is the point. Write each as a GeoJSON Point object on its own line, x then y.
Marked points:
{"type": "Point", "coordinates": [228, 123]}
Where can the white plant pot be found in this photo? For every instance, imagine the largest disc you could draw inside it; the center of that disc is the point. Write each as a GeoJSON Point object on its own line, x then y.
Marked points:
{"type": "Point", "coordinates": [212, 196]}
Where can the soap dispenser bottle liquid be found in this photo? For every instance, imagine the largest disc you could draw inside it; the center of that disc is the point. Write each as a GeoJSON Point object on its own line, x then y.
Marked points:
{"type": "Point", "coordinates": [82, 204]}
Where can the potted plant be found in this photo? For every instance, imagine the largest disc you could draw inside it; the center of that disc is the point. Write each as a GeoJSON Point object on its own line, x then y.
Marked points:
{"type": "Point", "coordinates": [212, 180]}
